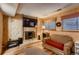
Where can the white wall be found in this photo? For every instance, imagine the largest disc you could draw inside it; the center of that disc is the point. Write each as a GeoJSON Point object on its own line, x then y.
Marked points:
{"type": "Point", "coordinates": [15, 28]}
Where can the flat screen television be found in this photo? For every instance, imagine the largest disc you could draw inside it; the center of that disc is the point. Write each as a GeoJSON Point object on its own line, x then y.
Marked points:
{"type": "Point", "coordinates": [28, 22]}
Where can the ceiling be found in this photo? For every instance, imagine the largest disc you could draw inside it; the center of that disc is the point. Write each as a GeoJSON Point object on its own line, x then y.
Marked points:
{"type": "Point", "coordinates": [32, 9]}
{"type": "Point", "coordinates": [39, 9]}
{"type": "Point", "coordinates": [9, 8]}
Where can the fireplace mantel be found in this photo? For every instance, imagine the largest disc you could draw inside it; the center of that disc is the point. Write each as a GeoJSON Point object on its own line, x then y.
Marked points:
{"type": "Point", "coordinates": [29, 29]}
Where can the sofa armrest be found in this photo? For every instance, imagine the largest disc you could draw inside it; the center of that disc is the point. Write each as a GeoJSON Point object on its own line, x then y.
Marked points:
{"type": "Point", "coordinates": [67, 50]}
{"type": "Point", "coordinates": [68, 44]}
{"type": "Point", "coordinates": [68, 47]}
{"type": "Point", "coordinates": [45, 39]}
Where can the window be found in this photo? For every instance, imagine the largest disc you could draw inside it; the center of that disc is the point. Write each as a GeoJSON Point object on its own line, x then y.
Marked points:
{"type": "Point", "coordinates": [78, 23]}
{"type": "Point", "coordinates": [46, 25]}
{"type": "Point", "coordinates": [50, 26]}
{"type": "Point", "coordinates": [71, 24]}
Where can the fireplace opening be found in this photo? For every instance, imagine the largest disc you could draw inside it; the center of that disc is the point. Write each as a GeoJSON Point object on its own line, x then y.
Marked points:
{"type": "Point", "coordinates": [29, 35]}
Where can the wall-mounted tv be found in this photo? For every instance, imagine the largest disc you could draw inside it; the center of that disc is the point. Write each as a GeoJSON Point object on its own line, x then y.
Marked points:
{"type": "Point", "coordinates": [29, 22]}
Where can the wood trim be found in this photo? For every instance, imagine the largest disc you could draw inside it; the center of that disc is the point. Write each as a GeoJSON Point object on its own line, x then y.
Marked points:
{"type": "Point", "coordinates": [70, 15]}
{"type": "Point", "coordinates": [65, 11]}
{"type": "Point", "coordinates": [17, 16]}
{"type": "Point", "coordinates": [27, 16]}
{"type": "Point", "coordinates": [5, 33]}
{"type": "Point", "coordinates": [1, 31]}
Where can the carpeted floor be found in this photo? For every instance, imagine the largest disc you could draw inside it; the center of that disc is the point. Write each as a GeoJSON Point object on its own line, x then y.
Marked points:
{"type": "Point", "coordinates": [39, 46]}
{"type": "Point", "coordinates": [30, 49]}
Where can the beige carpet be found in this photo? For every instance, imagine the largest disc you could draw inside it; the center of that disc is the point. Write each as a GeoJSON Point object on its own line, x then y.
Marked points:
{"type": "Point", "coordinates": [33, 51]}
{"type": "Point", "coordinates": [30, 49]}
{"type": "Point", "coordinates": [39, 46]}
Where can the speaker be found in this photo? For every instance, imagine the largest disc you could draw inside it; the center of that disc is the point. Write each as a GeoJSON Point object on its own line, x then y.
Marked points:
{"type": "Point", "coordinates": [20, 40]}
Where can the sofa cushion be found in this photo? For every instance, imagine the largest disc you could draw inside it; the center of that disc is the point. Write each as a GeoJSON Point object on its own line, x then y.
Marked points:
{"type": "Point", "coordinates": [61, 38]}
{"type": "Point", "coordinates": [55, 44]}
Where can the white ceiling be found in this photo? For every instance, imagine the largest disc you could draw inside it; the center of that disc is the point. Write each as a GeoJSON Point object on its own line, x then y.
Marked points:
{"type": "Point", "coordinates": [40, 9]}
{"type": "Point", "coordinates": [9, 8]}
{"type": "Point", "coordinates": [32, 9]}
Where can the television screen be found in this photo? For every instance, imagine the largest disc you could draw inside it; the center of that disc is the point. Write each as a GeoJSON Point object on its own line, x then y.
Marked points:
{"type": "Point", "coordinates": [28, 22]}
{"type": "Point", "coordinates": [32, 24]}
{"type": "Point", "coordinates": [70, 24]}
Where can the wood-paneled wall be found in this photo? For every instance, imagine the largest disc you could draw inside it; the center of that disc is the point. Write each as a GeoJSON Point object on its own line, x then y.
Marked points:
{"type": "Point", "coordinates": [1, 31]}
{"type": "Point", "coordinates": [5, 33]}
